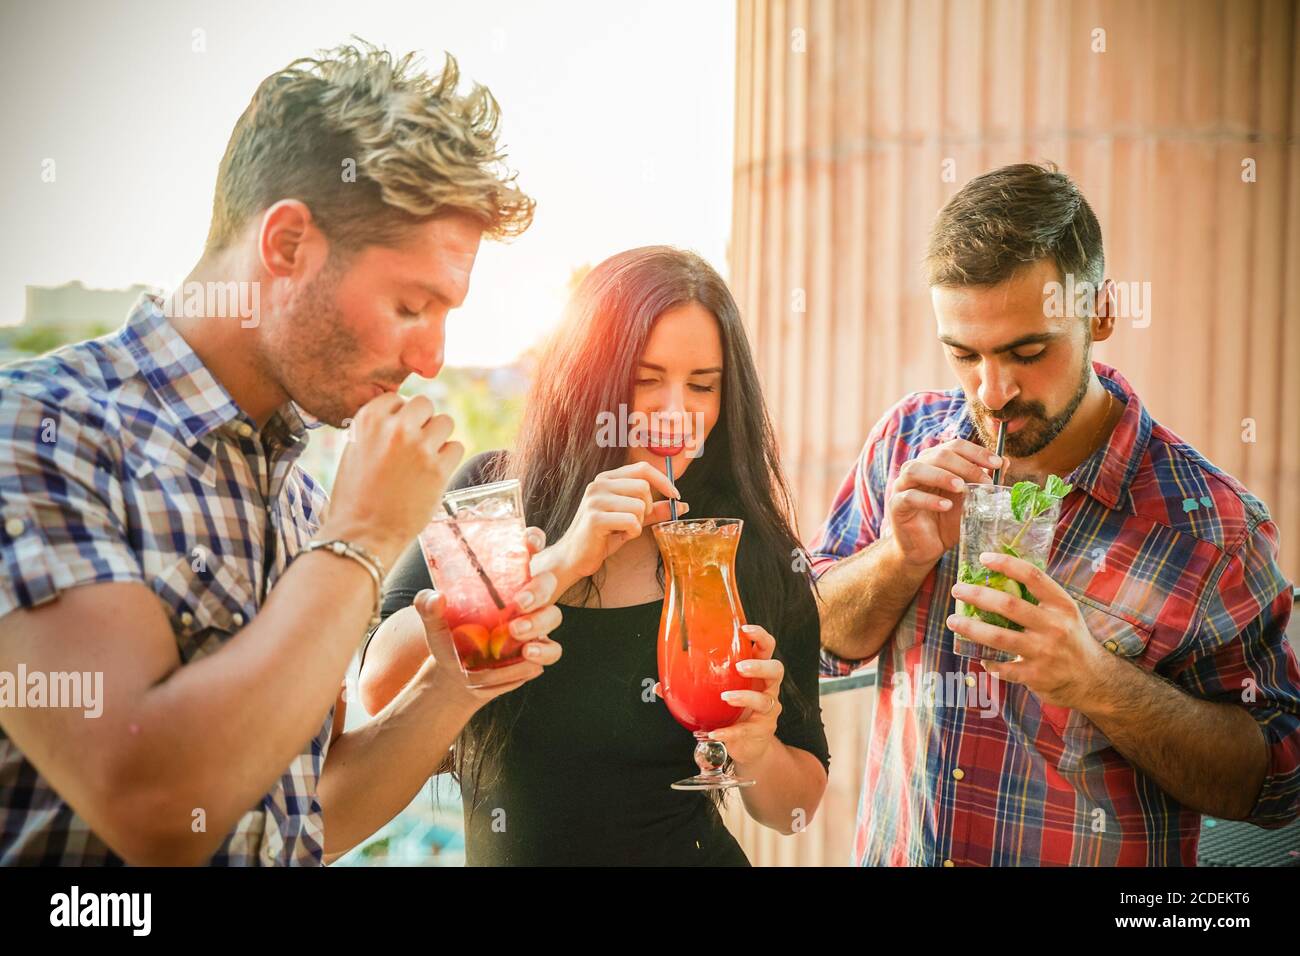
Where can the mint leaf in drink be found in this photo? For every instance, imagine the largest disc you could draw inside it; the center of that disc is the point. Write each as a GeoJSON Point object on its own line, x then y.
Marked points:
{"type": "Point", "coordinates": [1011, 550]}
{"type": "Point", "coordinates": [1042, 501]}
{"type": "Point", "coordinates": [1022, 499]}
{"type": "Point", "coordinates": [1055, 490]}
{"type": "Point", "coordinates": [1056, 487]}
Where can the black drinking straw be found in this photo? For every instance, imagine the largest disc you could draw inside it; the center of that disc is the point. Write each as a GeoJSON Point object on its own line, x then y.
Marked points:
{"type": "Point", "coordinates": [1002, 437]}
{"type": "Point", "coordinates": [672, 502]}
{"type": "Point", "coordinates": [487, 581]}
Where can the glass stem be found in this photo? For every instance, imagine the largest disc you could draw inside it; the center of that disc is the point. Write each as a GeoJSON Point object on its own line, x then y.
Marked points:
{"type": "Point", "coordinates": [710, 755]}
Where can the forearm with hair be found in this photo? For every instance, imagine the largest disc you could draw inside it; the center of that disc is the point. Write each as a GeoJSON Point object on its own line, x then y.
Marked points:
{"type": "Point", "coordinates": [1207, 755]}
{"type": "Point", "coordinates": [861, 599]}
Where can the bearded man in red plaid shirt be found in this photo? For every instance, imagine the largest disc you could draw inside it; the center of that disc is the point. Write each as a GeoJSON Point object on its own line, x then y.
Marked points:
{"type": "Point", "coordinates": [1152, 682]}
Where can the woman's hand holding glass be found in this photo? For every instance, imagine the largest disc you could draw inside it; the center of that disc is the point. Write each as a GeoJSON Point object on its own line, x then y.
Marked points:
{"type": "Point", "coordinates": [540, 618]}
{"type": "Point", "coordinates": [748, 739]}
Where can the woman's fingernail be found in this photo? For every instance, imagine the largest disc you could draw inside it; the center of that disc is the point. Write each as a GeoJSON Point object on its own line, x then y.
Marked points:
{"type": "Point", "coordinates": [524, 599]}
{"type": "Point", "coordinates": [745, 667]}
{"type": "Point", "coordinates": [729, 695]}
{"type": "Point", "coordinates": [532, 652]}
{"type": "Point", "coordinates": [520, 627]}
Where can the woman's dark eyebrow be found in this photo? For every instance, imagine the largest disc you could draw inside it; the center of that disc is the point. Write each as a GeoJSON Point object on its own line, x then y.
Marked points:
{"type": "Point", "coordinates": [1037, 338]}
{"type": "Point", "coordinates": [694, 371]}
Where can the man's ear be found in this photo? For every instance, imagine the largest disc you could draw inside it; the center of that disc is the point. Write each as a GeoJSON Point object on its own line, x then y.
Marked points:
{"type": "Point", "coordinates": [1103, 311]}
{"type": "Point", "coordinates": [288, 239]}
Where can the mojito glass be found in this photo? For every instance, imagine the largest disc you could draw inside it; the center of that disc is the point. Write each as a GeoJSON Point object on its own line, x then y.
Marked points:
{"type": "Point", "coordinates": [478, 558]}
{"type": "Point", "coordinates": [988, 524]}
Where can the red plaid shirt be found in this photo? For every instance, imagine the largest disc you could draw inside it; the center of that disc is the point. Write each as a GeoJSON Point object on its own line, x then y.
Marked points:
{"type": "Point", "coordinates": [1174, 566]}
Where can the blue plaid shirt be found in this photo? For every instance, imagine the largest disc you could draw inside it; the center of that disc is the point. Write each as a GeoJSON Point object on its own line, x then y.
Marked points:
{"type": "Point", "coordinates": [123, 459]}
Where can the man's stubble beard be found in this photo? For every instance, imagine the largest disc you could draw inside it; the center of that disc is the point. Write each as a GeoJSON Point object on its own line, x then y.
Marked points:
{"type": "Point", "coordinates": [314, 351]}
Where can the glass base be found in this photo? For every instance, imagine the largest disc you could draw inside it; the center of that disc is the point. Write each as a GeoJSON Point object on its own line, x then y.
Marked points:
{"type": "Point", "coordinates": [981, 652]}
{"type": "Point", "coordinates": [711, 757]}
{"type": "Point", "coordinates": [717, 781]}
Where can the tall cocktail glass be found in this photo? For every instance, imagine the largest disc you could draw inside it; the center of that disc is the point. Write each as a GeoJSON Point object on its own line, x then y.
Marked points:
{"type": "Point", "coordinates": [700, 638]}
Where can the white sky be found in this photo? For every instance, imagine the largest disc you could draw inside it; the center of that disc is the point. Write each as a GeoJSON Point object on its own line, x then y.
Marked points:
{"type": "Point", "coordinates": [617, 115]}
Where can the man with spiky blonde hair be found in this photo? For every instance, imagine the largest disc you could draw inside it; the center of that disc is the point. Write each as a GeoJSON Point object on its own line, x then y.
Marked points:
{"type": "Point", "coordinates": [155, 529]}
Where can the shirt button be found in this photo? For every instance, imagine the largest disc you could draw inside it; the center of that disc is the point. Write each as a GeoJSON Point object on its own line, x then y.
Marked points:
{"type": "Point", "coordinates": [186, 619]}
{"type": "Point", "coordinates": [1111, 646]}
{"type": "Point", "coordinates": [238, 619]}
{"type": "Point", "coordinates": [970, 680]}
{"type": "Point", "coordinates": [244, 430]}
{"type": "Point", "coordinates": [14, 527]}
{"type": "Point", "coordinates": [958, 773]}
{"type": "Point", "coordinates": [948, 863]}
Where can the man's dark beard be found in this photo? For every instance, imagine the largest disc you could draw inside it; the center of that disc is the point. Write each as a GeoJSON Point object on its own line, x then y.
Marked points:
{"type": "Point", "coordinates": [1039, 431]}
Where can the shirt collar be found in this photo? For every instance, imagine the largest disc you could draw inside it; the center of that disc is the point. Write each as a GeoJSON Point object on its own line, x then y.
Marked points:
{"type": "Point", "coordinates": [190, 394]}
{"type": "Point", "coordinates": [1108, 472]}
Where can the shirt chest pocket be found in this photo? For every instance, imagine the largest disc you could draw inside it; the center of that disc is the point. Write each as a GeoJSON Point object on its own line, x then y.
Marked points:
{"type": "Point", "coordinates": [1080, 737]}
{"type": "Point", "coordinates": [208, 599]}
{"type": "Point", "coordinates": [302, 524]}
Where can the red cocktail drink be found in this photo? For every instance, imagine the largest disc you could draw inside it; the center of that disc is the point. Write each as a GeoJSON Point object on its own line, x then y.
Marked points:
{"type": "Point", "coordinates": [700, 637]}
{"type": "Point", "coordinates": [478, 559]}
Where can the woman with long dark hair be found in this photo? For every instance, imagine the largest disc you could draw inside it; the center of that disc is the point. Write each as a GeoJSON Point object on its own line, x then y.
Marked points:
{"type": "Point", "coordinates": [574, 767]}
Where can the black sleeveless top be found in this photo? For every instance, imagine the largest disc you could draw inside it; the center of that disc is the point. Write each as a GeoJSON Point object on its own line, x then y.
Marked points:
{"type": "Point", "coordinates": [590, 751]}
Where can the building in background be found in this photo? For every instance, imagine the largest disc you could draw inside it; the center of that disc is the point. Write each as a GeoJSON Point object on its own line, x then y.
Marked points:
{"type": "Point", "coordinates": [856, 120]}
{"type": "Point", "coordinates": [75, 312]}
{"type": "Point", "coordinates": [57, 315]}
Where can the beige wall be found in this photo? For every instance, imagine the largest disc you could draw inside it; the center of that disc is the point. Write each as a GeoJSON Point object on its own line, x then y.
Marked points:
{"type": "Point", "coordinates": [846, 113]}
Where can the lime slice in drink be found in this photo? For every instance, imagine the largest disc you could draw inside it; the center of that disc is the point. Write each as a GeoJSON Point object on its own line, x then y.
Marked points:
{"type": "Point", "coordinates": [1000, 582]}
